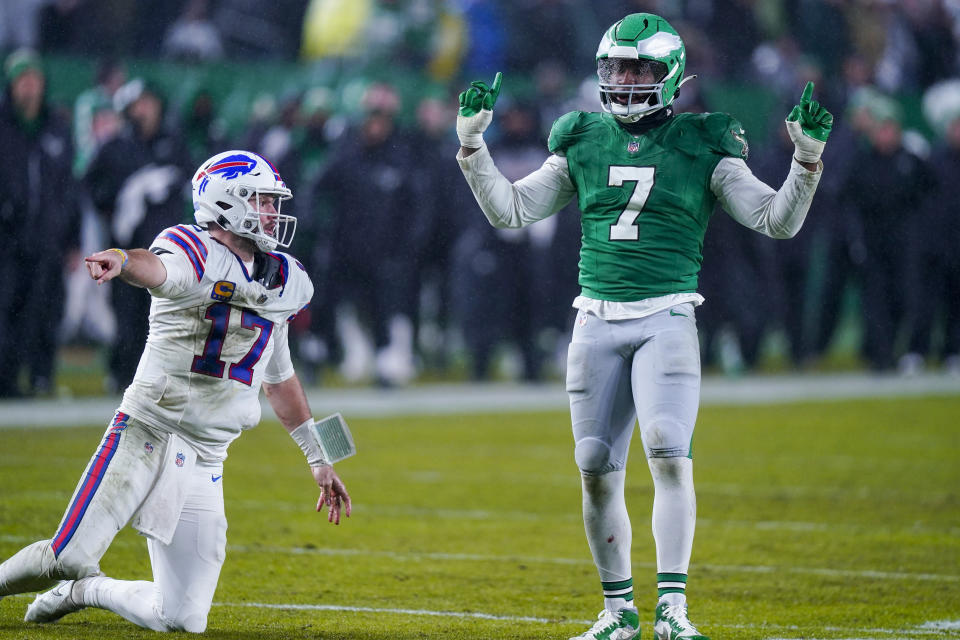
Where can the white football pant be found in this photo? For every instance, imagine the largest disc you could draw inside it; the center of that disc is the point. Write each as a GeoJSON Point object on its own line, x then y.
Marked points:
{"type": "Point", "coordinates": [118, 478]}
{"type": "Point", "coordinates": [618, 373]}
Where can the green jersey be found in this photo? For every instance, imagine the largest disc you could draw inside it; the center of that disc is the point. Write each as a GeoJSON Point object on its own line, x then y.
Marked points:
{"type": "Point", "coordinates": [645, 200]}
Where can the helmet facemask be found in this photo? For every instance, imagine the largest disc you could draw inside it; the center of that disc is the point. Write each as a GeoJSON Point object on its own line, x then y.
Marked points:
{"type": "Point", "coordinates": [629, 101]}
{"type": "Point", "coordinates": [266, 226]}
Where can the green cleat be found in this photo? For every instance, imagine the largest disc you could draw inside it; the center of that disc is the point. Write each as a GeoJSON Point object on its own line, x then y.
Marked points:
{"type": "Point", "coordinates": [671, 623]}
{"type": "Point", "coordinates": [621, 625]}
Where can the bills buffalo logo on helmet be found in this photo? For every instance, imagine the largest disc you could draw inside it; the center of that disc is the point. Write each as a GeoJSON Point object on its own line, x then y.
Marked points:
{"type": "Point", "coordinates": [227, 168]}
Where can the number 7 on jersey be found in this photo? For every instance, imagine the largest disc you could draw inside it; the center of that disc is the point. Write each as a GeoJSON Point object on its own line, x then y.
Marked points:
{"type": "Point", "coordinates": [626, 226]}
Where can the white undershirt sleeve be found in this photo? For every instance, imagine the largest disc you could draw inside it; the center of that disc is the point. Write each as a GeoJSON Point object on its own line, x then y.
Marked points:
{"type": "Point", "coordinates": [512, 205]}
{"type": "Point", "coordinates": [754, 204]}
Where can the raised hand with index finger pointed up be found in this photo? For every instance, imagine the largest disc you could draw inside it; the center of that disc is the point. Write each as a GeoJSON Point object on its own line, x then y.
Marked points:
{"type": "Point", "coordinates": [809, 125]}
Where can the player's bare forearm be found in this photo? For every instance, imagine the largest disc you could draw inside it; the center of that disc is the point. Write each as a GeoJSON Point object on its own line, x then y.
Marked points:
{"type": "Point", "coordinates": [466, 152]}
{"type": "Point", "coordinates": [137, 267]}
{"type": "Point", "coordinates": [289, 402]}
{"type": "Point", "coordinates": [809, 166]}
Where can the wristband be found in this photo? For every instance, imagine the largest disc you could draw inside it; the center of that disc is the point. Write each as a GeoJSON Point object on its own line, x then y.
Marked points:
{"type": "Point", "coordinates": [303, 436]}
{"type": "Point", "coordinates": [124, 255]}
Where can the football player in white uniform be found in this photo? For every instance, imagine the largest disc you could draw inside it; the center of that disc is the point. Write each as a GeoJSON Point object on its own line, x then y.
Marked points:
{"type": "Point", "coordinates": [222, 300]}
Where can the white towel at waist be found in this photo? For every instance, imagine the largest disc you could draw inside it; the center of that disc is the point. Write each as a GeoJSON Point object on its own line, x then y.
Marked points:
{"type": "Point", "coordinates": [160, 512]}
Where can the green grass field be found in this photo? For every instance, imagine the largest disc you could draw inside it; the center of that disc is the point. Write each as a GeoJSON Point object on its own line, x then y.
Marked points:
{"type": "Point", "coordinates": [830, 520]}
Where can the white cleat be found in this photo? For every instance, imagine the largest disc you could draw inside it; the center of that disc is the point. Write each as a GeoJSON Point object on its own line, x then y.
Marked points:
{"type": "Point", "coordinates": [53, 605]}
{"type": "Point", "coordinates": [620, 625]}
{"type": "Point", "coordinates": [671, 623]}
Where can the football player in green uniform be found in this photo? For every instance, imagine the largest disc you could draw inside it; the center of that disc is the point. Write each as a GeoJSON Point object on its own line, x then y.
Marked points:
{"type": "Point", "coordinates": [646, 181]}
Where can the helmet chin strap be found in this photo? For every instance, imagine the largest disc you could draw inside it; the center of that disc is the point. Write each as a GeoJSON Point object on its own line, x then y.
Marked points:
{"type": "Point", "coordinates": [633, 117]}
{"type": "Point", "coordinates": [630, 118]}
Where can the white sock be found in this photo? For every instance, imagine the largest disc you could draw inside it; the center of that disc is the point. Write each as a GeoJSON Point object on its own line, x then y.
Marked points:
{"type": "Point", "coordinates": [135, 600]}
{"type": "Point", "coordinates": [674, 512]}
{"type": "Point", "coordinates": [673, 599]}
{"type": "Point", "coordinates": [609, 535]}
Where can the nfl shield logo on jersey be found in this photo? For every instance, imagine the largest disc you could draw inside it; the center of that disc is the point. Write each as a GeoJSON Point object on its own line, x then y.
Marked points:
{"type": "Point", "coordinates": [148, 447]}
{"type": "Point", "coordinates": [633, 146]}
{"type": "Point", "coordinates": [180, 459]}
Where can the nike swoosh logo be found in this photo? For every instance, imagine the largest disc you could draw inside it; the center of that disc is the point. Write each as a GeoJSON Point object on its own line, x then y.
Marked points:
{"type": "Point", "coordinates": [215, 478]}
{"type": "Point", "coordinates": [674, 313]}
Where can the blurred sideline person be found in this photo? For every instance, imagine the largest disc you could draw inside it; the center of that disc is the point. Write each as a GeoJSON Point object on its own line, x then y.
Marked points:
{"type": "Point", "coordinates": [135, 181]}
{"type": "Point", "coordinates": [938, 261]}
{"type": "Point", "coordinates": [646, 182]}
{"type": "Point", "coordinates": [37, 192]}
{"type": "Point", "coordinates": [501, 268]}
{"type": "Point", "coordinates": [222, 300]}
{"type": "Point", "coordinates": [886, 194]}
{"type": "Point", "coordinates": [369, 187]}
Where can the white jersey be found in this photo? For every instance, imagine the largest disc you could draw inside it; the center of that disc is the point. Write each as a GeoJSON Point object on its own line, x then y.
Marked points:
{"type": "Point", "coordinates": [217, 332]}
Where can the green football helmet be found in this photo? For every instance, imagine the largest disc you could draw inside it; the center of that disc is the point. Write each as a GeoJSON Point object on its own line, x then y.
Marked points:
{"type": "Point", "coordinates": [642, 46]}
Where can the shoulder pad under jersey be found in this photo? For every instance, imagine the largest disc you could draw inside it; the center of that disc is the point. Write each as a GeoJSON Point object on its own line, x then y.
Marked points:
{"type": "Point", "coordinates": [281, 270]}
{"type": "Point", "coordinates": [568, 128]}
{"type": "Point", "coordinates": [725, 135]}
{"type": "Point", "coordinates": [188, 240]}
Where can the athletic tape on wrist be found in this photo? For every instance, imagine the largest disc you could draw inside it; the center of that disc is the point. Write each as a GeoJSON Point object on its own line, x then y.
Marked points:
{"type": "Point", "coordinates": [303, 435]}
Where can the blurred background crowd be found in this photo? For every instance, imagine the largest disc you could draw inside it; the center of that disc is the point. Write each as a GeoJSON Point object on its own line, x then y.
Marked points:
{"type": "Point", "coordinates": [110, 105]}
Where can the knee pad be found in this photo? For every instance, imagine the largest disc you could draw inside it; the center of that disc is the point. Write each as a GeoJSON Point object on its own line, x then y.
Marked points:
{"type": "Point", "coordinates": [189, 621]}
{"type": "Point", "coordinates": [666, 437]}
{"type": "Point", "coordinates": [194, 623]}
{"type": "Point", "coordinates": [71, 564]}
{"type": "Point", "coordinates": [593, 456]}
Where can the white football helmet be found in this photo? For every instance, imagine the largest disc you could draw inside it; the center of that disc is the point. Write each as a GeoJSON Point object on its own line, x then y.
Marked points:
{"type": "Point", "coordinates": [223, 188]}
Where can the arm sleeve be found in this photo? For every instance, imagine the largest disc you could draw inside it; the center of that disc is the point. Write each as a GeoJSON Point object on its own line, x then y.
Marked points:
{"type": "Point", "coordinates": [754, 204]}
{"type": "Point", "coordinates": [280, 367]}
{"type": "Point", "coordinates": [512, 205]}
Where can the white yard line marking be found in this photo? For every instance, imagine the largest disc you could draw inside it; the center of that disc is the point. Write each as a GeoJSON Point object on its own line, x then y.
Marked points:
{"type": "Point", "coordinates": [412, 612]}
{"type": "Point", "coordinates": [900, 633]}
{"type": "Point", "coordinates": [923, 630]}
{"type": "Point", "coordinates": [942, 625]}
{"type": "Point", "coordinates": [934, 628]}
